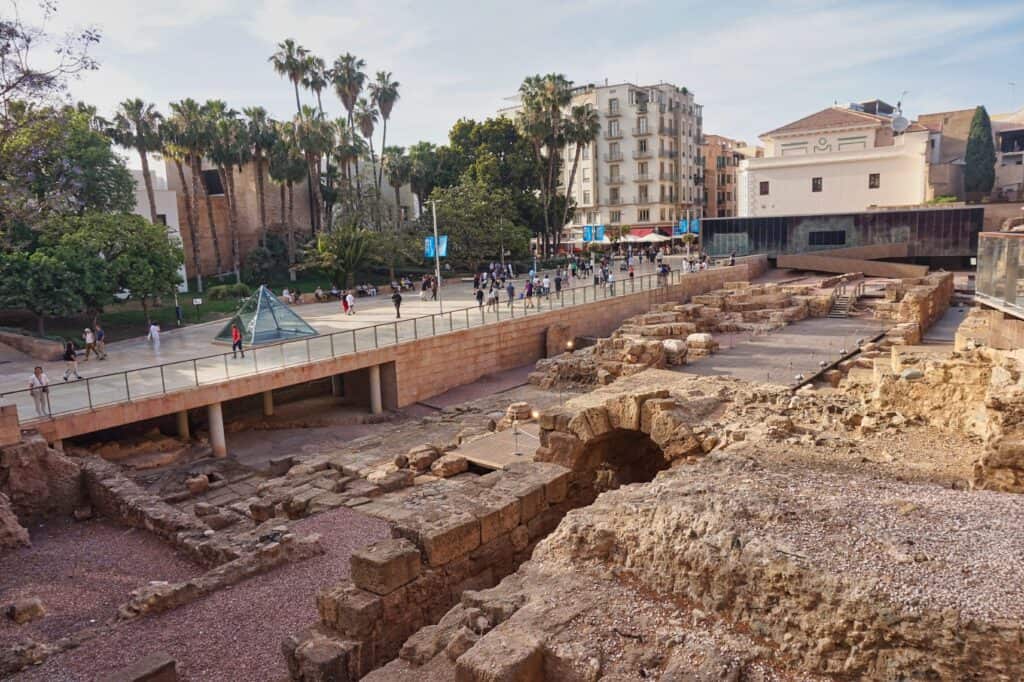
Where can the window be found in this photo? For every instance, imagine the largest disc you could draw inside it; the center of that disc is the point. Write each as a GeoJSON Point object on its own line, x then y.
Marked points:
{"type": "Point", "coordinates": [586, 196]}
{"type": "Point", "coordinates": [815, 184]}
{"type": "Point", "coordinates": [586, 152]}
{"type": "Point", "coordinates": [211, 180]}
{"type": "Point", "coordinates": [643, 215]}
{"type": "Point", "coordinates": [616, 217]}
{"type": "Point", "coordinates": [613, 149]}
{"type": "Point", "coordinates": [641, 145]}
{"type": "Point", "coordinates": [641, 125]}
{"type": "Point", "coordinates": [764, 188]}
{"type": "Point", "coordinates": [161, 218]}
{"type": "Point", "coordinates": [613, 195]}
{"type": "Point", "coordinates": [641, 168]}
{"type": "Point", "coordinates": [613, 105]}
{"type": "Point", "coordinates": [874, 180]}
{"type": "Point", "coordinates": [663, 214]}
{"type": "Point", "coordinates": [827, 238]}
{"type": "Point", "coordinates": [613, 171]}
{"type": "Point", "coordinates": [586, 175]}
{"type": "Point", "coordinates": [592, 217]}
{"type": "Point", "coordinates": [642, 190]}
{"type": "Point", "coordinates": [613, 128]}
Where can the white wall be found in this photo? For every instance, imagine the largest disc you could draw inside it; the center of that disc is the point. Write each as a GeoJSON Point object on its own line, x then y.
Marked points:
{"type": "Point", "coordinates": [903, 171]}
{"type": "Point", "coordinates": [166, 205]}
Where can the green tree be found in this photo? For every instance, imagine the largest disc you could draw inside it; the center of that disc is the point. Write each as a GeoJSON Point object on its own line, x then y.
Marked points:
{"type": "Point", "coordinates": [349, 77]}
{"type": "Point", "coordinates": [581, 129]}
{"type": "Point", "coordinates": [980, 156]}
{"type": "Point", "coordinates": [136, 125]}
{"type": "Point", "coordinates": [39, 282]}
{"type": "Point", "coordinates": [314, 136]}
{"type": "Point", "coordinates": [342, 253]}
{"type": "Point", "coordinates": [191, 128]}
{"type": "Point", "coordinates": [175, 149]}
{"type": "Point", "coordinates": [261, 134]}
{"type": "Point", "coordinates": [287, 167]}
{"type": "Point", "coordinates": [399, 170]}
{"type": "Point", "coordinates": [478, 218]}
{"type": "Point", "coordinates": [366, 117]}
{"type": "Point", "coordinates": [229, 148]}
{"type": "Point", "coordinates": [290, 61]}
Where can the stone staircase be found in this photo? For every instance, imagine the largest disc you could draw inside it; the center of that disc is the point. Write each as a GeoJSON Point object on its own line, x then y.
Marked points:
{"type": "Point", "coordinates": [844, 299]}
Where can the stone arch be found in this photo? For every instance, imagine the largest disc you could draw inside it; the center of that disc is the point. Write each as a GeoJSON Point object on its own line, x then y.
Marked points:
{"type": "Point", "coordinates": [627, 439]}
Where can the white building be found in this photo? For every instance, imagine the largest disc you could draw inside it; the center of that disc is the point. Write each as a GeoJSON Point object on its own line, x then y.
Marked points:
{"type": "Point", "coordinates": [838, 160]}
{"type": "Point", "coordinates": [645, 169]}
{"type": "Point", "coordinates": [1009, 133]}
{"type": "Point", "coordinates": [166, 211]}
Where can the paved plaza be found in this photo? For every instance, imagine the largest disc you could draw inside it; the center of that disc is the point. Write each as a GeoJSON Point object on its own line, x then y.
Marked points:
{"type": "Point", "coordinates": [188, 357]}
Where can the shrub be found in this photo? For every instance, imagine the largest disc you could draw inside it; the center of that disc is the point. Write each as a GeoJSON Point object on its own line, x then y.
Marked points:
{"type": "Point", "coordinates": [224, 292]}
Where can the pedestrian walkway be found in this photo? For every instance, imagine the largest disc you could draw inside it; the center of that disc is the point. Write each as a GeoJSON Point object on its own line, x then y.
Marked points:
{"type": "Point", "coordinates": [188, 357]}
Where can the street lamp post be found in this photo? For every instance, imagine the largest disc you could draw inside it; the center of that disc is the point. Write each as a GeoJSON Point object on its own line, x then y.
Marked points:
{"type": "Point", "coordinates": [437, 257]}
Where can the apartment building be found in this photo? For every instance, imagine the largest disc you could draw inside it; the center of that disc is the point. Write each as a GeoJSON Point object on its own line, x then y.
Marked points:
{"type": "Point", "coordinates": [645, 168]}
{"type": "Point", "coordinates": [722, 157]}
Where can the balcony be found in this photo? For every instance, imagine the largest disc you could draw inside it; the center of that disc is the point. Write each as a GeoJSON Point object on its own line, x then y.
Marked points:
{"type": "Point", "coordinates": [613, 180]}
{"type": "Point", "coordinates": [641, 107]}
{"type": "Point", "coordinates": [668, 154]}
{"type": "Point", "coordinates": [614, 201]}
{"type": "Point", "coordinates": [612, 113]}
{"type": "Point", "coordinates": [613, 134]}
{"type": "Point", "coordinates": [668, 176]}
{"type": "Point", "coordinates": [641, 132]}
{"type": "Point", "coordinates": [667, 130]}
{"type": "Point", "coordinates": [642, 177]}
{"type": "Point", "coordinates": [612, 157]}
{"type": "Point", "coordinates": [642, 199]}
{"type": "Point", "coordinates": [641, 154]}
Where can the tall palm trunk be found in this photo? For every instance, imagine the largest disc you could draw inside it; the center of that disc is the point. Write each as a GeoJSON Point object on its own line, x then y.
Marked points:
{"type": "Point", "coordinates": [148, 180]}
{"type": "Point", "coordinates": [312, 163]}
{"type": "Point", "coordinates": [291, 223]}
{"type": "Point", "coordinates": [261, 199]}
{"type": "Point", "coordinates": [373, 161]}
{"type": "Point", "coordinates": [398, 208]}
{"type": "Point", "coordinates": [283, 201]}
{"type": "Point", "coordinates": [383, 149]}
{"type": "Point", "coordinates": [568, 189]}
{"type": "Point", "coordinates": [190, 220]}
{"type": "Point", "coordinates": [228, 181]}
{"type": "Point", "coordinates": [197, 186]}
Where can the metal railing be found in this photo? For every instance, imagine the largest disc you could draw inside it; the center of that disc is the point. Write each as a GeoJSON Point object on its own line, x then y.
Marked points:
{"type": "Point", "coordinates": [162, 379]}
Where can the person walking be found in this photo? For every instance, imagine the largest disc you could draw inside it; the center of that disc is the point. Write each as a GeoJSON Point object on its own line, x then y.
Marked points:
{"type": "Point", "coordinates": [510, 289]}
{"type": "Point", "coordinates": [39, 387]}
{"type": "Point", "coordinates": [236, 342]}
{"type": "Point", "coordinates": [154, 336]}
{"type": "Point", "coordinates": [344, 302]}
{"type": "Point", "coordinates": [396, 299]}
{"type": "Point", "coordinates": [101, 343]}
{"type": "Point", "coordinates": [546, 285]}
{"type": "Point", "coordinates": [479, 298]}
{"type": "Point", "coordinates": [350, 302]}
{"type": "Point", "coordinates": [558, 284]}
{"type": "Point", "coordinates": [433, 288]}
{"type": "Point", "coordinates": [71, 360]}
{"type": "Point", "coordinates": [611, 282]}
{"type": "Point", "coordinates": [528, 292]}
{"type": "Point", "coordinates": [90, 344]}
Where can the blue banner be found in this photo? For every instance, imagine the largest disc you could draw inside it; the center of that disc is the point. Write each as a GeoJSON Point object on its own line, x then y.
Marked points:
{"type": "Point", "coordinates": [600, 233]}
{"type": "Point", "coordinates": [588, 233]}
{"type": "Point", "coordinates": [681, 228]}
{"type": "Point", "coordinates": [428, 246]}
{"type": "Point", "coordinates": [695, 226]}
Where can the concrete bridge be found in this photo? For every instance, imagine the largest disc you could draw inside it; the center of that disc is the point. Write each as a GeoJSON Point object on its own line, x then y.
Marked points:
{"type": "Point", "coordinates": [383, 366]}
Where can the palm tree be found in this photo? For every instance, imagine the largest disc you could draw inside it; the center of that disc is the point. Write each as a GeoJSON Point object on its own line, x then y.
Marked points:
{"type": "Point", "coordinates": [315, 78]}
{"type": "Point", "coordinates": [399, 173]}
{"type": "Point", "coordinates": [343, 253]}
{"type": "Point", "coordinates": [229, 149]}
{"type": "Point", "coordinates": [174, 149]}
{"type": "Point", "coordinates": [366, 117]}
{"type": "Point", "coordinates": [383, 95]}
{"type": "Point", "coordinates": [136, 125]}
{"type": "Point", "coordinates": [192, 125]}
{"type": "Point", "coordinates": [290, 61]}
{"type": "Point", "coordinates": [581, 129]}
{"type": "Point", "coordinates": [261, 135]}
{"type": "Point", "coordinates": [348, 78]}
{"type": "Point", "coordinates": [314, 136]}
{"type": "Point", "coordinates": [287, 167]}
{"type": "Point", "coordinates": [544, 98]}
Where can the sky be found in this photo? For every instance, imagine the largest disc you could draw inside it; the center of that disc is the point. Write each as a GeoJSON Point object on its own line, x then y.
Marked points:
{"type": "Point", "coordinates": [753, 65]}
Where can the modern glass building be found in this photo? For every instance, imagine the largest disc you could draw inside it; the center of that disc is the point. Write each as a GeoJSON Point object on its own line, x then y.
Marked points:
{"type": "Point", "coordinates": [1000, 279]}
{"type": "Point", "coordinates": [930, 233]}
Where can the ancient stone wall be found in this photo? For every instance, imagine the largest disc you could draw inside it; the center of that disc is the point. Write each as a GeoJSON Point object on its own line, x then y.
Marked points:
{"type": "Point", "coordinates": [448, 536]}
{"type": "Point", "coordinates": [992, 328]}
{"type": "Point", "coordinates": [921, 301]}
{"type": "Point", "coordinates": [39, 481]}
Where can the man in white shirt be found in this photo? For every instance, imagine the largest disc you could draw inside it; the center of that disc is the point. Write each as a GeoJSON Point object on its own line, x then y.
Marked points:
{"type": "Point", "coordinates": [39, 388]}
{"type": "Point", "coordinates": [351, 300]}
{"type": "Point", "coordinates": [154, 336]}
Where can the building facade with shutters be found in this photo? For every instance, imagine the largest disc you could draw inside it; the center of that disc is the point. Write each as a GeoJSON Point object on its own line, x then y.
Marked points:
{"type": "Point", "coordinates": [645, 169]}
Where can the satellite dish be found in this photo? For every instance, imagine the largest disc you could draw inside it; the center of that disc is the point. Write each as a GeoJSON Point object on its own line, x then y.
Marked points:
{"type": "Point", "coordinates": [900, 124]}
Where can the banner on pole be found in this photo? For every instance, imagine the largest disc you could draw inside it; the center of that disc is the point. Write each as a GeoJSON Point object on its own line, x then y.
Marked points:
{"type": "Point", "coordinates": [588, 233]}
{"type": "Point", "coordinates": [442, 244]}
{"type": "Point", "coordinates": [600, 233]}
{"type": "Point", "coordinates": [695, 226]}
{"type": "Point", "coordinates": [681, 228]}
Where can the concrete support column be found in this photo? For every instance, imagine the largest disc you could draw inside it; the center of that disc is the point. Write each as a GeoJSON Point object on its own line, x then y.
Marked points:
{"type": "Point", "coordinates": [268, 403]}
{"type": "Point", "coordinates": [336, 388]}
{"type": "Point", "coordinates": [183, 432]}
{"type": "Point", "coordinates": [376, 403]}
{"type": "Point", "coordinates": [217, 440]}
{"type": "Point", "coordinates": [57, 445]}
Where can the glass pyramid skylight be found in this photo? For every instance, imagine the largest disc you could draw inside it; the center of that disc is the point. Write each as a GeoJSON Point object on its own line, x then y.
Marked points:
{"type": "Point", "coordinates": [263, 319]}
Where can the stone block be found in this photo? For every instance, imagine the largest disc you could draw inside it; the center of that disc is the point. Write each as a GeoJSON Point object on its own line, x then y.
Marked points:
{"type": "Point", "coordinates": [443, 539]}
{"type": "Point", "coordinates": [26, 610]}
{"type": "Point", "coordinates": [262, 510]}
{"type": "Point", "coordinates": [279, 466]}
{"type": "Point", "coordinates": [503, 655]}
{"type": "Point", "coordinates": [564, 449]}
{"type": "Point", "coordinates": [349, 610]}
{"type": "Point", "coordinates": [385, 566]}
{"type": "Point", "coordinates": [396, 480]}
{"type": "Point", "coordinates": [449, 465]}
{"type": "Point", "coordinates": [157, 667]}
{"type": "Point", "coordinates": [360, 487]}
{"type": "Point", "coordinates": [498, 512]}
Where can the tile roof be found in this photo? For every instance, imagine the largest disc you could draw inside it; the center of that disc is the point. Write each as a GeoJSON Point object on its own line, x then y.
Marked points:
{"type": "Point", "coordinates": [832, 117]}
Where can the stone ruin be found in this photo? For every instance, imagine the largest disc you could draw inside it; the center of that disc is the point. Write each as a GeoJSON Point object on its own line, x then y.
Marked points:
{"type": "Point", "coordinates": [673, 333]}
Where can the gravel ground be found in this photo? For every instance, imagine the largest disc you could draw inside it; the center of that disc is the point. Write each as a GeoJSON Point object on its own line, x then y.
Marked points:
{"type": "Point", "coordinates": [82, 572]}
{"type": "Point", "coordinates": [234, 634]}
{"type": "Point", "coordinates": [920, 545]}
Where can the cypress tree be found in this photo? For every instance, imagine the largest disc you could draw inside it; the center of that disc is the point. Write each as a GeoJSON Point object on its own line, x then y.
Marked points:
{"type": "Point", "coordinates": [980, 173]}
